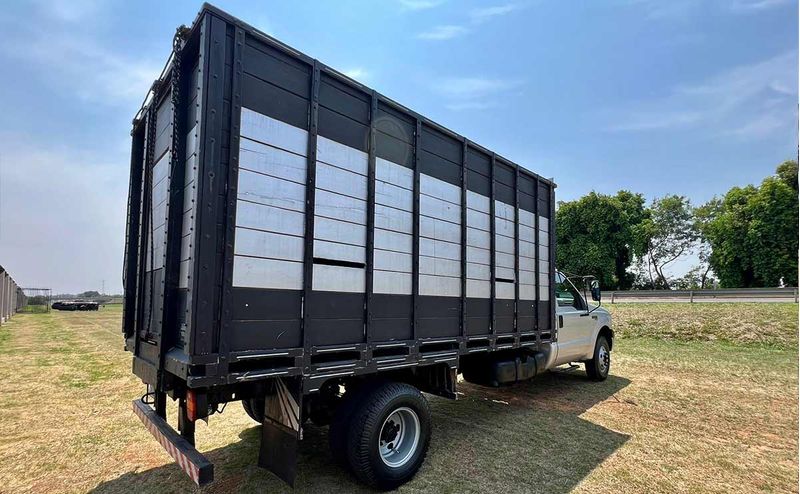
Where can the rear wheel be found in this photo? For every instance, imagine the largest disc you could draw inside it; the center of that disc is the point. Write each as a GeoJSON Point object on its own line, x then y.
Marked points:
{"type": "Point", "coordinates": [597, 368]}
{"type": "Point", "coordinates": [254, 407]}
{"type": "Point", "coordinates": [389, 435]}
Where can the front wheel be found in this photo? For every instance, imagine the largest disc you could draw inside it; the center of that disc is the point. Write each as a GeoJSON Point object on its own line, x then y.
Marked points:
{"type": "Point", "coordinates": [389, 436]}
{"type": "Point", "coordinates": [597, 368]}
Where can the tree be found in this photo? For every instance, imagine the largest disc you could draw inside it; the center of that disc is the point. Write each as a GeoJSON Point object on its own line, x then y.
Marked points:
{"type": "Point", "coordinates": [597, 234]}
{"type": "Point", "coordinates": [669, 234]}
{"type": "Point", "coordinates": [753, 232]}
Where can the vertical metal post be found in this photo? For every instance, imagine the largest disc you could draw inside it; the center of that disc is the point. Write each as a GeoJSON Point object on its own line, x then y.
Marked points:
{"type": "Point", "coordinates": [516, 250]}
{"type": "Point", "coordinates": [464, 239]}
{"type": "Point", "coordinates": [492, 249]}
{"type": "Point", "coordinates": [370, 260]}
{"type": "Point", "coordinates": [691, 296]}
{"type": "Point", "coordinates": [537, 295]}
{"type": "Point", "coordinates": [415, 232]}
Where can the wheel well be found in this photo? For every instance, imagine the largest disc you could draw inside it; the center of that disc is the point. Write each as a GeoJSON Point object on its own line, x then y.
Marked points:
{"type": "Point", "coordinates": [606, 331]}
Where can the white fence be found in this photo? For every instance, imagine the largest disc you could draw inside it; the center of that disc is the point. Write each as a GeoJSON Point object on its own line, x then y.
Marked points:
{"type": "Point", "coordinates": [788, 294]}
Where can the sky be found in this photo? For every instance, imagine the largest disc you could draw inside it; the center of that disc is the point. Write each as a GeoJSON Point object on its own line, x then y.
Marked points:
{"type": "Point", "coordinates": [658, 97]}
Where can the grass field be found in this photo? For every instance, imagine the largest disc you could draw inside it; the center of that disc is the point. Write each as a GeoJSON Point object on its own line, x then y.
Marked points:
{"type": "Point", "coordinates": [702, 398]}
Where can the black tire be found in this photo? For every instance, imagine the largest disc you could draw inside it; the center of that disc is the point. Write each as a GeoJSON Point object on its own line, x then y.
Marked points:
{"type": "Point", "coordinates": [254, 407]}
{"type": "Point", "coordinates": [340, 423]}
{"type": "Point", "coordinates": [369, 426]}
{"type": "Point", "coordinates": [597, 368]}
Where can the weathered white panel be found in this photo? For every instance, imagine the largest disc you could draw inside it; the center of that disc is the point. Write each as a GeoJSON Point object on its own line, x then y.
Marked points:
{"type": "Point", "coordinates": [504, 227]}
{"type": "Point", "coordinates": [255, 243]}
{"type": "Point", "coordinates": [269, 218]}
{"type": "Point", "coordinates": [437, 248]}
{"type": "Point", "coordinates": [479, 289]}
{"type": "Point", "coordinates": [504, 273]}
{"type": "Point", "coordinates": [479, 238]}
{"type": "Point", "coordinates": [478, 202]}
{"type": "Point", "coordinates": [188, 198]}
{"type": "Point", "coordinates": [439, 230]}
{"type": "Point", "coordinates": [481, 221]}
{"type": "Point", "coordinates": [441, 286]}
{"type": "Point", "coordinates": [159, 213]}
{"type": "Point", "coordinates": [393, 219]}
{"type": "Point", "coordinates": [544, 266]}
{"type": "Point", "coordinates": [392, 282]}
{"type": "Point", "coordinates": [544, 224]}
{"type": "Point", "coordinates": [527, 218]}
{"type": "Point", "coordinates": [439, 267]}
{"type": "Point", "coordinates": [439, 189]}
{"type": "Point", "coordinates": [437, 208]}
{"type": "Point", "coordinates": [478, 271]}
{"type": "Point", "coordinates": [183, 277]}
{"type": "Point", "coordinates": [341, 252]}
{"type": "Point", "coordinates": [339, 207]}
{"type": "Point", "coordinates": [341, 156]}
{"type": "Point", "coordinates": [393, 196]}
{"type": "Point", "coordinates": [338, 279]}
{"type": "Point", "coordinates": [160, 191]}
{"type": "Point", "coordinates": [341, 181]}
{"type": "Point", "coordinates": [527, 292]}
{"type": "Point", "coordinates": [393, 241]}
{"type": "Point", "coordinates": [272, 191]}
{"type": "Point", "coordinates": [527, 249]}
{"type": "Point", "coordinates": [544, 291]}
{"type": "Point", "coordinates": [504, 244]}
{"type": "Point", "coordinates": [275, 162]}
{"type": "Point", "coordinates": [186, 247]}
{"type": "Point", "coordinates": [270, 131]}
{"type": "Point", "coordinates": [188, 222]}
{"type": "Point", "coordinates": [527, 277]}
{"type": "Point", "coordinates": [339, 231]}
{"type": "Point", "coordinates": [527, 234]}
{"type": "Point", "coordinates": [392, 261]}
{"type": "Point", "coordinates": [504, 290]}
{"type": "Point", "coordinates": [527, 263]}
{"type": "Point", "coordinates": [256, 272]}
{"type": "Point", "coordinates": [161, 169]}
{"type": "Point", "coordinates": [399, 175]}
{"type": "Point", "coordinates": [544, 254]}
{"type": "Point", "coordinates": [504, 211]}
{"type": "Point", "coordinates": [504, 260]}
{"type": "Point", "coordinates": [190, 170]}
{"type": "Point", "coordinates": [191, 141]}
{"type": "Point", "coordinates": [478, 255]}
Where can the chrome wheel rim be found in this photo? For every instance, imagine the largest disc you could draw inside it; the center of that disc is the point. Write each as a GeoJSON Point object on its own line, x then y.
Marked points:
{"type": "Point", "coordinates": [399, 437]}
{"type": "Point", "coordinates": [604, 359]}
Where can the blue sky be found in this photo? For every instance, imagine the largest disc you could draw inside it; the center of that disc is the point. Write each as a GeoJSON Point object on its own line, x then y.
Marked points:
{"type": "Point", "coordinates": [659, 97]}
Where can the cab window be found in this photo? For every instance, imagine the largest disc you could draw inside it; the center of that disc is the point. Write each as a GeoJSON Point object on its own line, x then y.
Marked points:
{"type": "Point", "coordinates": [566, 293]}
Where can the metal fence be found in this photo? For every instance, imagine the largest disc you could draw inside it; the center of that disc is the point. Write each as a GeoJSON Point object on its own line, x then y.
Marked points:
{"type": "Point", "coordinates": [37, 300]}
{"type": "Point", "coordinates": [788, 294]}
{"type": "Point", "coordinates": [11, 297]}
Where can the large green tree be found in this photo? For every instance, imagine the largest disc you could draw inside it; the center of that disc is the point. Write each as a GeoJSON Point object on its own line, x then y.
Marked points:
{"type": "Point", "coordinates": [599, 235]}
{"type": "Point", "coordinates": [753, 231]}
{"type": "Point", "coordinates": [669, 235]}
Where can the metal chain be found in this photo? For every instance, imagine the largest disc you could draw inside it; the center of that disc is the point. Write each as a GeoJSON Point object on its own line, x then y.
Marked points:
{"type": "Point", "coordinates": [149, 158]}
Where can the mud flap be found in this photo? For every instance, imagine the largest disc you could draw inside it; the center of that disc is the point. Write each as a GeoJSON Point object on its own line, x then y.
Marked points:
{"type": "Point", "coordinates": [282, 429]}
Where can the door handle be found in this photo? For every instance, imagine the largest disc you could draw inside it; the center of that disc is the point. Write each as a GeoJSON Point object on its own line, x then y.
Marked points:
{"type": "Point", "coordinates": [560, 321]}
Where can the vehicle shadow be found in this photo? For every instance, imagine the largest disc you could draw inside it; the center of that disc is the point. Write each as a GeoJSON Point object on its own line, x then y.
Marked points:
{"type": "Point", "coordinates": [528, 437]}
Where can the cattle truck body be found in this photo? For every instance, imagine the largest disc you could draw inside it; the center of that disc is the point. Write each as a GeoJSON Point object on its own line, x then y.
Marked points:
{"type": "Point", "coordinates": [289, 229]}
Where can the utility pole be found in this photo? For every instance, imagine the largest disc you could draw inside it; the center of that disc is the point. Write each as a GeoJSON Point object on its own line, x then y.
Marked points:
{"type": "Point", "coordinates": [103, 290]}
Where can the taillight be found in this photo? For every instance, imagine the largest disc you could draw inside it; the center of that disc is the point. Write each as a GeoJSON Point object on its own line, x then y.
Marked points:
{"type": "Point", "coordinates": [191, 405]}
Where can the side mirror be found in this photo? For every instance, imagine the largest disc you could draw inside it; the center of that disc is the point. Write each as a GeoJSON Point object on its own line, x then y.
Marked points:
{"type": "Point", "coordinates": [595, 288]}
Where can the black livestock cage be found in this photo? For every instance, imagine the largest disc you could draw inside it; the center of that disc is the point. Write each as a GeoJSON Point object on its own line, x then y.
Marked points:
{"type": "Point", "coordinates": [285, 220]}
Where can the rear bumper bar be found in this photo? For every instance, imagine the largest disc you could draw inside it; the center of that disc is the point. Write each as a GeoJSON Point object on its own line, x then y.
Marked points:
{"type": "Point", "coordinates": [188, 458]}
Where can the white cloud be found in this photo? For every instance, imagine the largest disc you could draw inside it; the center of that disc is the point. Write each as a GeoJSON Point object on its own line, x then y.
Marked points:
{"type": "Point", "coordinates": [357, 73]}
{"type": "Point", "coordinates": [486, 13]}
{"type": "Point", "coordinates": [472, 93]}
{"type": "Point", "coordinates": [745, 6]}
{"type": "Point", "coordinates": [420, 4]}
{"type": "Point", "coordinates": [445, 32]}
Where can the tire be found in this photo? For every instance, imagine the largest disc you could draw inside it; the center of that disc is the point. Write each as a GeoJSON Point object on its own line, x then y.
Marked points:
{"type": "Point", "coordinates": [254, 407]}
{"type": "Point", "coordinates": [340, 423]}
{"type": "Point", "coordinates": [597, 368]}
{"type": "Point", "coordinates": [389, 436]}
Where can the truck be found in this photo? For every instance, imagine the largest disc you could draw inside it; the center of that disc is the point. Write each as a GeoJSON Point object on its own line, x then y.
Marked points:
{"type": "Point", "coordinates": [305, 245]}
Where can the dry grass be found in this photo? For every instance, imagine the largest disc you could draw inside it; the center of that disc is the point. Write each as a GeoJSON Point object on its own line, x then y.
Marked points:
{"type": "Point", "coordinates": [675, 416]}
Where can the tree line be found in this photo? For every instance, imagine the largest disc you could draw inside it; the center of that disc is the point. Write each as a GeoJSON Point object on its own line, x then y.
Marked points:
{"type": "Point", "coordinates": [747, 238]}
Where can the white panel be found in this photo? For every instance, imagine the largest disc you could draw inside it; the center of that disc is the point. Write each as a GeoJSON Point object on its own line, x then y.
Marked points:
{"type": "Point", "coordinates": [272, 161]}
{"type": "Point", "coordinates": [188, 197]}
{"type": "Point", "coordinates": [399, 175]}
{"type": "Point", "coordinates": [392, 261]}
{"type": "Point", "coordinates": [439, 230]}
{"type": "Point", "coordinates": [527, 264]}
{"type": "Point", "coordinates": [440, 189]}
{"type": "Point", "coordinates": [269, 218]}
{"type": "Point", "coordinates": [339, 231]}
{"type": "Point", "coordinates": [441, 286]}
{"type": "Point", "coordinates": [544, 291]}
{"type": "Point", "coordinates": [186, 247]}
{"type": "Point", "coordinates": [341, 252]}
{"type": "Point", "coordinates": [478, 271]}
{"type": "Point", "coordinates": [256, 272]}
{"type": "Point", "coordinates": [481, 221]}
{"type": "Point", "coordinates": [504, 260]}
{"type": "Point", "coordinates": [342, 156]}
{"type": "Point", "coordinates": [501, 272]}
{"type": "Point", "coordinates": [255, 243]}
{"type": "Point", "coordinates": [191, 141]}
{"type": "Point", "coordinates": [527, 277]}
{"type": "Point", "coordinates": [544, 254]}
{"type": "Point", "coordinates": [527, 234]}
{"type": "Point", "coordinates": [274, 132]}
{"type": "Point", "coordinates": [504, 290]}
{"type": "Point", "coordinates": [504, 227]}
{"type": "Point", "coordinates": [479, 289]}
{"type": "Point", "coordinates": [341, 181]}
{"type": "Point", "coordinates": [396, 197]}
{"type": "Point", "coordinates": [527, 249]}
{"type": "Point", "coordinates": [544, 224]}
{"type": "Point", "coordinates": [391, 282]}
{"type": "Point", "coordinates": [188, 223]}
{"type": "Point", "coordinates": [478, 255]}
{"type": "Point", "coordinates": [160, 191]}
{"type": "Point", "coordinates": [479, 238]}
{"type": "Point", "coordinates": [437, 248]}
{"type": "Point", "coordinates": [527, 292]}
{"type": "Point", "coordinates": [338, 279]}
{"type": "Point", "coordinates": [393, 219]}
{"type": "Point", "coordinates": [527, 218]}
{"type": "Point", "coordinates": [339, 207]}
{"type": "Point", "coordinates": [478, 202]}
{"type": "Point", "coordinates": [393, 241]}
{"type": "Point", "coordinates": [439, 267]}
{"type": "Point", "coordinates": [183, 278]}
{"type": "Point", "coordinates": [436, 208]}
{"type": "Point", "coordinates": [544, 266]}
{"type": "Point", "coordinates": [504, 211]}
{"type": "Point", "coordinates": [504, 244]}
{"type": "Point", "coordinates": [264, 189]}
{"type": "Point", "coordinates": [161, 169]}
{"type": "Point", "coordinates": [160, 213]}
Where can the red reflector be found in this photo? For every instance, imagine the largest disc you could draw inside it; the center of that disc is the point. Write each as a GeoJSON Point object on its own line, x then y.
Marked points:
{"type": "Point", "coordinates": [191, 405]}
